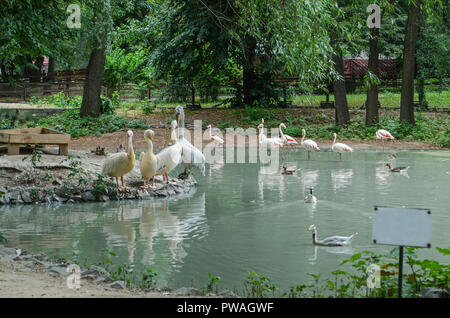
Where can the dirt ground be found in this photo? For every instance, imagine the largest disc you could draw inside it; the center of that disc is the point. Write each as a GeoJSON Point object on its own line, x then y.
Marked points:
{"type": "Point", "coordinates": [15, 282]}
{"type": "Point", "coordinates": [111, 141]}
{"type": "Point", "coordinates": [215, 117]}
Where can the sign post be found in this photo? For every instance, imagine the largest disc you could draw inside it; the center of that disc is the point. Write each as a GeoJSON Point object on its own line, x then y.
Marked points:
{"type": "Point", "coordinates": [401, 227]}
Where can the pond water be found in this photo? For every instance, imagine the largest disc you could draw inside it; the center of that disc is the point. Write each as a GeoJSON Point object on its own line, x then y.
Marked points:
{"type": "Point", "coordinates": [240, 218]}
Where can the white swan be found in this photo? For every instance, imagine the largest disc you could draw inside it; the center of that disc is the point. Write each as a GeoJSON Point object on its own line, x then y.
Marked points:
{"type": "Point", "coordinates": [332, 240]}
{"type": "Point", "coordinates": [340, 147]}
{"type": "Point", "coordinates": [119, 164]}
{"type": "Point", "coordinates": [170, 157]}
{"type": "Point", "coordinates": [148, 161]}
{"type": "Point", "coordinates": [308, 144]}
{"type": "Point", "coordinates": [190, 154]}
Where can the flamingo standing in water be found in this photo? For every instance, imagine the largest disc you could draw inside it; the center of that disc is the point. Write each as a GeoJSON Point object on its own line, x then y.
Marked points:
{"type": "Point", "coordinates": [340, 147]}
{"type": "Point", "coordinates": [213, 137]}
{"type": "Point", "coordinates": [384, 134]}
{"type": "Point", "coordinates": [308, 144]}
{"type": "Point", "coordinates": [286, 140]}
{"type": "Point", "coordinates": [267, 141]}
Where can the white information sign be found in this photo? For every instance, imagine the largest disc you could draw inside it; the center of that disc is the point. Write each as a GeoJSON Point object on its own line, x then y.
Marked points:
{"type": "Point", "coordinates": [401, 226]}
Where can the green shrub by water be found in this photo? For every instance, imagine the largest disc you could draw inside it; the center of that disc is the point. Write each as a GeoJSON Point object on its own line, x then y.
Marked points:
{"type": "Point", "coordinates": [418, 275]}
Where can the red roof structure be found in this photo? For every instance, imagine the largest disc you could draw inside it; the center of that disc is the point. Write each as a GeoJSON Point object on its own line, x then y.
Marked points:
{"type": "Point", "coordinates": [357, 68]}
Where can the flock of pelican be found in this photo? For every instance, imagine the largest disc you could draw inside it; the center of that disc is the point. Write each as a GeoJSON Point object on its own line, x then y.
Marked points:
{"type": "Point", "coordinates": [178, 150]}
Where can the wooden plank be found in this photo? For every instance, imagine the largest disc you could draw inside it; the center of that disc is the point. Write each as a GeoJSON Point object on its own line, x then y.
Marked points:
{"type": "Point", "coordinates": [63, 150]}
{"type": "Point", "coordinates": [13, 149]}
{"type": "Point", "coordinates": [21, 131]}
{"type": "Point", "coordinates": [4, 138]}
{"type": "Point", "coordinates": [39, 139]}
{"type": "Point", "coordinates": [52, 131]}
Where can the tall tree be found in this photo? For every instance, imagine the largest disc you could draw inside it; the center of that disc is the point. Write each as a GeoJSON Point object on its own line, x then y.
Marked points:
{"type": "Point", "coordinates": [102, 17]}
{"type": "Point", "coordinates": [91, 104]}
{"type": "Point", "coordinates": [409, 53]}
{"type": "Point", "coordinates": [248, 42]}
{"type": "Point", "coordinates": [433, 51]}
{"type": "Point", "coordinates": [373, 74]}
{"type": "Point", "coordinates": [30, 30]}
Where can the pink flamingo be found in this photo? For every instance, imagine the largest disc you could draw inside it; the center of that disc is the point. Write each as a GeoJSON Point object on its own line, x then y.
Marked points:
{"type": "Point", "coordinates": [340, 147]}
{"type": "Point", "coordinates": [384, 134]}
{"type": "Point", "coordinates": [213, 137]}
{"type": "Point", "coordinates": [308, 144]}
{"type": "Point", "coordinates": [286, 140]}
{"type": "Point", "coordinates": [267, 141]}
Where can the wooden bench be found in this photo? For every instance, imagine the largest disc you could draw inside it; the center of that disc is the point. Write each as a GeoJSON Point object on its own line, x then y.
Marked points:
{"type": "Point", "coordinates": [14, 138]}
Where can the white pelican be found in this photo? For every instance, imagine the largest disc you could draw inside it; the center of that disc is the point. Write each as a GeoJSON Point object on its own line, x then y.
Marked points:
{"type": "Point", "coordinates": [170, 157]}
{"type": "Point", "coordinates": [213, 137]}
{"type": "Point", "coordinates": [397, 169]}
{"type": "Point", "coordinates": [339, 147]}
{"type": "Point", "coordinates": [267, 141]}
{"type": "Point", "coordinates": [148, 160]}
{"type": "Point", "coordinates": [119, 164]}
{"type": "Point", "coordinates": [384, 134]}
{"type": "Point", "coordinates": [190, 154]}
{"type": "Point", "coordinates": [310, 198]}
{"type": "Point", "coordinates": [308, 144]}
{"type": "Point", "coordinates": [332, 240]}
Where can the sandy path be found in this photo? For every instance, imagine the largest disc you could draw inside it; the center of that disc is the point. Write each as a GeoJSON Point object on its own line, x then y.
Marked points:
{"type": "Point", "coordinates": [16, 281]}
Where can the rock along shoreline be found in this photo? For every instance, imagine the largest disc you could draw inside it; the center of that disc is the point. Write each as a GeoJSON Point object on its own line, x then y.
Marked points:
{"type": "Point", "coordinates": [74, 179]}
{"type": "Point", "coordinates": [94, 278]}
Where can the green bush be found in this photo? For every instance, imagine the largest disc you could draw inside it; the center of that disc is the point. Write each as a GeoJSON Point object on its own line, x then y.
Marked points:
{"type": "Point", "coordinates": [71, 123]}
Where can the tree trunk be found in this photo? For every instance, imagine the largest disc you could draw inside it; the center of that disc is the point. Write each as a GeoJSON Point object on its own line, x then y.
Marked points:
{"type": "Point", "coordinates": [92, 104]}
{"type": "Point", "coordinates": [249, 74]}
{"type": "Point", "coordinates": [340, 94]}
{"type": "Point", "coordinates": [51, 66]}
{"type": "Point", "coordinates": [407, 97]}
{"type": "Point", "coordinates": [372, 116]}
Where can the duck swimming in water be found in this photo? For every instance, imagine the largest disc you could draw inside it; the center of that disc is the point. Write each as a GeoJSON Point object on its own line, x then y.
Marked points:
{"type": "Point", "coordinates": [397, 169]}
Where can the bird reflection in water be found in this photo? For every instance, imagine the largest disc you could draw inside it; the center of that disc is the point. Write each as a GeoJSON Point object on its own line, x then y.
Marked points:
{"type": "Point", "coordinates": [157, 220]}
{"type": "Point", "coordinates": [269, 177]}
{"type": "Point", "coordinates": [346, 250]}
{"type": "Point", "coordinates": [341, 178]}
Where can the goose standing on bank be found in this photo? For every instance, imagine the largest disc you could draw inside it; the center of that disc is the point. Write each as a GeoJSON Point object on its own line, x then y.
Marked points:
{"type": "Point", "coordinates": [119, 164]}
{"type": "Point", "coordinates": [308, 144]}
{"type": "Point", "coordinates": [168, 158]}
{"type": "Point", "coordinates": [148, 161]}
{"type": "Point", "coordinates": [340, 147]}
{"type": "Point", "coordinates": [190, 154]}
{"type": "Point", "coordinates": [332, 240]}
